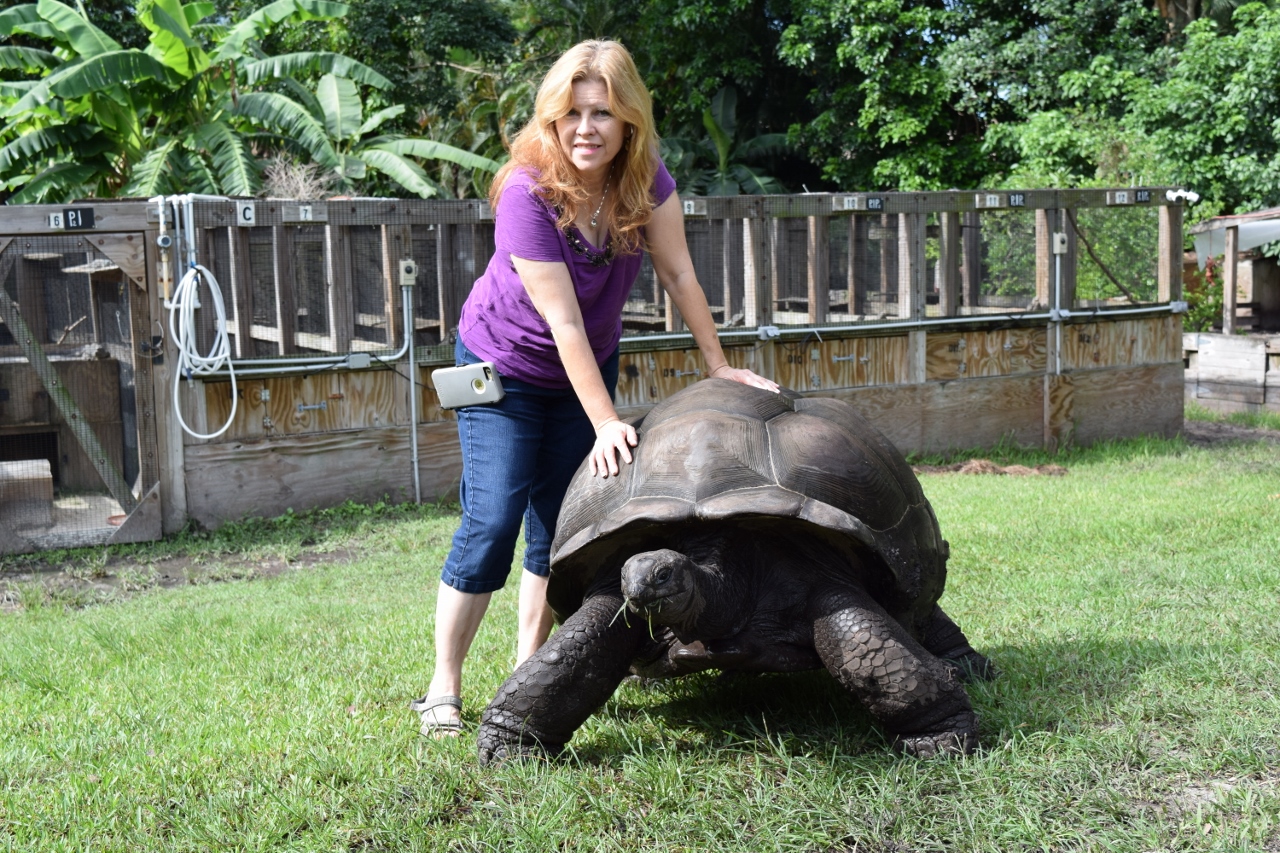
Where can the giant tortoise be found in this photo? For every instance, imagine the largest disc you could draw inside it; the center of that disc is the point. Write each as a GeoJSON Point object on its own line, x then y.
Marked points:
{"type": "Point", "coordinates": [755, 531]}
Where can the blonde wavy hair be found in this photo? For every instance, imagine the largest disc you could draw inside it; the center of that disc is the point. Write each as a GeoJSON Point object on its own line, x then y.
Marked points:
{"type": "Point", "coordinates": [536, 147]}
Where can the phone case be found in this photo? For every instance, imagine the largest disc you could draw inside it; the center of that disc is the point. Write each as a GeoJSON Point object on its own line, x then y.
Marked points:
{"type": "Point", "coordinates": [468, 385]}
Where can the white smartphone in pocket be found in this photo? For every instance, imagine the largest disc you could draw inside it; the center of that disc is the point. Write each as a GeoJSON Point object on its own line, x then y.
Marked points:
{"type": "Point", "coordinates": [468, 385]}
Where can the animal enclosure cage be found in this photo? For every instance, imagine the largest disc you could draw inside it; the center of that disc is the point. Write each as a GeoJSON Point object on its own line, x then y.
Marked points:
{"type": "Point", "coordinates": [949, 318]}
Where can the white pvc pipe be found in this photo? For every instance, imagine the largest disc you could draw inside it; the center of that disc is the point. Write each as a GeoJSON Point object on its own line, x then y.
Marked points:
{"type": "Point", "coordinates": [406, 297]}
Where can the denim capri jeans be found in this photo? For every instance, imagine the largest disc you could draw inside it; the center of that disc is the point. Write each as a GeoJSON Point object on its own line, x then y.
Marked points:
{"type": "Point", "coordinates": [518, 456]}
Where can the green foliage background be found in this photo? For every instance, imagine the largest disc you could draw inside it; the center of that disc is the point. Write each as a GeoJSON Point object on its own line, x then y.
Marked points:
{"type": "Point", "coordinates": [867, 94]}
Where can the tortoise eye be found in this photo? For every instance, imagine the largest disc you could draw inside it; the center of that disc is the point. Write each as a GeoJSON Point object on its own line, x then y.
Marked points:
{"type": "Point", "coordinates": [664, 575]}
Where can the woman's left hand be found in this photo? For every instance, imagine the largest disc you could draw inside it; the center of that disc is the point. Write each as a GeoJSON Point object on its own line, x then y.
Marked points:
{"type": "Point", "coordinates": [746, 377]}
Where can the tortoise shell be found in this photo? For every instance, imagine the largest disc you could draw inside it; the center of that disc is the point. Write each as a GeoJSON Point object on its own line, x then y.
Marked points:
{"type": "Point", "coordinates": [720, 453]}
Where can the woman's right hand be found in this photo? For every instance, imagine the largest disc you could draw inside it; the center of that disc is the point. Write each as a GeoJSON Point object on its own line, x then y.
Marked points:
{"type": "Point", "coordinates": [614, 438]}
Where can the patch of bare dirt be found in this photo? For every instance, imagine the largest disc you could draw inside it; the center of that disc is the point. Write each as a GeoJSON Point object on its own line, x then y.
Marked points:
{"type": "Point", "coordinates": [113, 578]}
{"type": "Point", "coordinates": [1210, 433]}
{"type": "Point", "coordinates": [986, 466]}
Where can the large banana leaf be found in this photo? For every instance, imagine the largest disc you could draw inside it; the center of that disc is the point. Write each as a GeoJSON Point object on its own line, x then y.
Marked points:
{"type": "Point", "coordinates": [36, 96]}
{"type": "Point", "coordinates": [31, 146]}
{"type": "Point", "coordinates": [153, 174]}
{"type": "Point", "coordinates": [278, 113]}
{"type": "Point", "coordinates": [60, 183]}
{"type": "Point", "coordinates": [754, 183]}
{"type": "Point", "coordinates": [317, 61]}
{"type": "Point", "coordinates": [402, 170]}
{"type": "Point", "coordinates": [171, 39]}
{"type": "Point", "coordinates": [431, 150]}
{"type": "Point", "coordinates": [16, 16]}
{"type": "Point", "coordinates": [375, 121]}
{"type": "Point", "coordinates": [235, 167]}
{"type": "Point", "coordinates": [196, 176]}
{"type": "Point", "coordinates": [104, 71]}
{"type": "Point", "coordinates": [353, 168]}
{"type": "Point", "coordinates": [260, 22]}
{"type": "Point", "coordinates": [340, 101]}
{"type": "Point", "coordinates": [197, 12]}
{"type": "Point", "coordinates": [84, 38]}
{"type": "Point", "coordinates": [27, 58]}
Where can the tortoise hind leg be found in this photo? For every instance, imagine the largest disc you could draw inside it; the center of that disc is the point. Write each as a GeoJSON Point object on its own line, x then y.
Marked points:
{"type": "Point", "coordinates": [944, 639]}
{"type": "Point", "coordinates": [908, 690]}
{"type": "Point", "coordinates": [552, 693]}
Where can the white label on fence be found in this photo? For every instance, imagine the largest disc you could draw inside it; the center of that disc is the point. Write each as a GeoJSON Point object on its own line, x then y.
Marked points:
{"type": "Point", "coordinates": [988, 200]}
{"type": "Point", "coordinates": [304, 213]}
{"type": "Point", "coordinates": [695, 206]}
{"type": "Point", "coordinates": [1119, 197]}
{"type": "Point", "coordinates": [55, 221]}
{"type": "Point", "coordinates": [845, 202]}
{"type": "Point", "coordinates": [246, 213]}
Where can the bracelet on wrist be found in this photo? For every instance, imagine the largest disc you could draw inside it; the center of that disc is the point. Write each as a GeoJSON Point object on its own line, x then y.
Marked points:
{"type": "Point", "coordinates": [601, 425]}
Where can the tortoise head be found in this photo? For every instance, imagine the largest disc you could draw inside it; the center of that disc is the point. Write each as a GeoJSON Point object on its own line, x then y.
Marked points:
{"type": "Point", "coordinates": [663, 587]}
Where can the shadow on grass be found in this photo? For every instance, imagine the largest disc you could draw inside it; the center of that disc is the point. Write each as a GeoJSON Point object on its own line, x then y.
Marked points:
{"type": "Point", "coordinates": [1041, 687]}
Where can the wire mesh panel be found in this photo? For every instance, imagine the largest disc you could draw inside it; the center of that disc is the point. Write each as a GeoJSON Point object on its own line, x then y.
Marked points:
{"type": "Point", "coordinates": [645, 309]}
{"type": "Point", "coordinates": [1005, 262]}
{"type": "Point", "coordinates": [426, 298]}
{"type": "Point", "coordinates": [369, 283]}
{"type": "Point", "coordinates": [1117, 255]}
{"type": "Point", "coordinates": [74, 454]}
{"type": "Point", "coordinates": [311, 288]}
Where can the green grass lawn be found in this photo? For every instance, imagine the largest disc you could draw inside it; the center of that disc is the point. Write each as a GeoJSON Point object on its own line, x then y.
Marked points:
{"type": "Point", "coordinates": [1132, 607]}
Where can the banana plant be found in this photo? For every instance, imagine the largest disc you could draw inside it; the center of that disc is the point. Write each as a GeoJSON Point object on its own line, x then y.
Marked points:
{"type": "Point", "coordinates": [718, 163]}
{"type": "Point", "coordinates": [330, 128]}
{"type": "Point", "coordinates": [96, 119]}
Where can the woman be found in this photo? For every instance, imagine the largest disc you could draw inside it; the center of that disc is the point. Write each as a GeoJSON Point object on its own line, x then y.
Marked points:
{"type": "Point", "coordinates": [583, 194]}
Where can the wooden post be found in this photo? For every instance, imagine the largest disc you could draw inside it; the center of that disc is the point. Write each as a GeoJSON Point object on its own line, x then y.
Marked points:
{"type": "Point", "coordinates": [397, 244]}
{"type": "Point", "coordinates": [1044, 261]}
{"type": "Point", "coordinates": [1169, 274]}
{"type": "Point", "coordinates": [241, 291]}
{"type": "Point", "coordinates": [917, 353]}
{"type": "Point", "coordinates": [949, 265]}
{"type": "Point", "coordinates": [1230, 280]}
{"type": "Point", "coordinates": [286, 299]}
{"type": "Point", "coordinates": [756, 307]}
{"type": "Point", "coordinates": [911, 266]}
{"type": "Point", "coordinates": [971, 259]}
{"type": "Point", "coordinates": [777, 254]}
{"type": "Point", "coordinates": [141, 331]}
{"type": "Point", "coordinates": [726, 269]}
{"type": "Point", "coordinates": [819, 246]}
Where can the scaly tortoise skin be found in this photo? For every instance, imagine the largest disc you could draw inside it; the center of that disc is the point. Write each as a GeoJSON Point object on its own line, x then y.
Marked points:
{"type": "Point", "coordinates": [754, 531]}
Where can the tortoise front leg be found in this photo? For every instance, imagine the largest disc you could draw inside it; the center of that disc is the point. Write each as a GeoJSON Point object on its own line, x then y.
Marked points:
{"type": "Point", "coordinates": [552, 693]}
{"type": "Point", "coordinates": [908, 690]}
{"type": "Point", "coordinates": [944, 639]}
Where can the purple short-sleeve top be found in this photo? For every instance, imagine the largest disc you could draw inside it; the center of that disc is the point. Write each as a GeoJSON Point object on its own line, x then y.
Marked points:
{"type": "Point", "coordinates": [499, 322]}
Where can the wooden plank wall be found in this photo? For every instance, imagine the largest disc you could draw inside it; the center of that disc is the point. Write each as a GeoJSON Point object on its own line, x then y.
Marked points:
{"type": "Point", "coordinates": [1233, 373]}
{"type": "Point", "coordinates": [980, 386]}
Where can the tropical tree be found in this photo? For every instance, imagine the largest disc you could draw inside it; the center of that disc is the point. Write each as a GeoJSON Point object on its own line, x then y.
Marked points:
{"type": "Point", "coordinates": [718, 163]}
{"type": "Point", "coordinates": [98, 119]}
{"type": "Point", "coordinates": [328, 126]}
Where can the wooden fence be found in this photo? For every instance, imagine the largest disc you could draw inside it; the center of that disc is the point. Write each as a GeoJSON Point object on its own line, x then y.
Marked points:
{"type": "Point", "coordinates": [951, 319]}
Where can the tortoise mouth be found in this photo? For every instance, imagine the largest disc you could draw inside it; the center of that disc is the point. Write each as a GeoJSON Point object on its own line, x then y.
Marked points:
{"type": "Point", "coordinates": [650, 606]}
